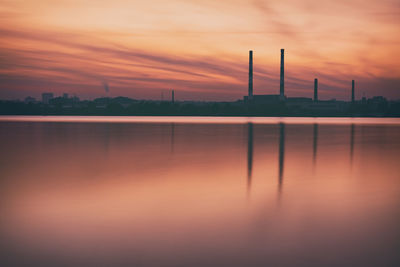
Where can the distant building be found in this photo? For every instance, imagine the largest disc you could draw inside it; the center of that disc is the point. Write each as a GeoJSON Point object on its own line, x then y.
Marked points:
{"type": "Point", "coordinates": [260, 99]}
{"type": "Point", "coordinates": [282, 76]}
{"type": "Point", "coordinates": [30, 99]}
{"type": "Point", "coordinates": [46, 97]}
{"type": "Point", "coordinates": [298, 102]}
{"type": "Point", "coordinates": [265, 99]}
{"type": "Point", "coordinates": [299, 99]}
{"type": "Point", "coordinates": [65, 95]}
{"type": "Point", "coordinates": [377, 102]}
{"type": "Point", "coordinates": [364, 100]}
{"type": "Point", "coordinates": [75, 99]}
{"type": "Point", "coordinates": [250, 94]}
{"type": "Point", "coordinates": [315, 90]}
{"type": "Point", "coordinates": [327, 105]}
{"type": "Point", "coordinates": [378, 99]}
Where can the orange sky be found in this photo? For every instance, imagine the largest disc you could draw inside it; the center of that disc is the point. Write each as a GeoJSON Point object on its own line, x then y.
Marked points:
{"type": "Point", "coordinates": [198, 47]}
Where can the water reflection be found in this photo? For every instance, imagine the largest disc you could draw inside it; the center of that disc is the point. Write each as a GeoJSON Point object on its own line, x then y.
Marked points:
{"type": "Point", "coordinates": [167, 194]}
{"type": "Point", "coordinates": [315, 142]}
{"type": "Point", "coordinates": [351, 143]}
{"type": "Point", "coordinates": [249, 155]}
{"type": "Point", "coordinates": [281, 154]}
{"type": "Point", "coordinates": [172, 137]}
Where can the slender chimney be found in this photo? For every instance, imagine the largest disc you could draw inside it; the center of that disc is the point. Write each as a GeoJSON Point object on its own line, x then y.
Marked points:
{"type": "Point", "coordinates": [352, 91]}
{"type": "Point", "coordinates": [282, 83]}
{"type": "Point", "coordinates": [315, 90]}
{"type": "Point", "coordinates": [173, 96]}
{"type": "Point", "coordinates": [250, 75]}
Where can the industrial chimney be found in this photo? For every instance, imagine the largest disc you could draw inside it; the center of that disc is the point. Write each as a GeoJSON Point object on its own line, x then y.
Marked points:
{"type": "Point", "coordinates": [352, 92]}
{"type": "Point", "coordinates": [250, 97]}
{"type": "Point", "coordinates": [282, 83]}
{"type": "Point", "coordinates": [315, 90]}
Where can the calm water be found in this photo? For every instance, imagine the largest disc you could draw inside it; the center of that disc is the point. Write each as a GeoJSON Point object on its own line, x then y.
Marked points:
{"type": "Point", "coordinates": [164, 191]}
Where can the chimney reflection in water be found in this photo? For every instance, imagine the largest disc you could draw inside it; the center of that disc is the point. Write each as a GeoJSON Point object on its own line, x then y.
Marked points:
{"type": "Point", "coordinates": [281, 154]}
{"type": "Point", "coordinates": [315, 143]}
{"type": "Point", "coordinates": [250, 134]}
{"type": "Point", "coordinates": [351, 144]}
{"type": "Point", "coordinates": [249, 155]}
{"type": "Point", "coordinates": [172, 137]}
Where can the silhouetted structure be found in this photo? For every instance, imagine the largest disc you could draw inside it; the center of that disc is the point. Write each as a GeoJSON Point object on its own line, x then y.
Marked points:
{"type": "Point", "coordinates": [315, 90]}
{"type": "Point", "coordinates": [46, 97]}
{"type": "Point", "coordinates": [282, 81]}
{"type": "Point", "coordinates": [254, 99]}
{"type": "Point", "coordinates": [249, 154]}
{"type": "Point", "coordinates": [251, 105]}
{"type": "Point", "coordinates": [250, 95]}
{"type": "Point", "coordinates": [29, 99]}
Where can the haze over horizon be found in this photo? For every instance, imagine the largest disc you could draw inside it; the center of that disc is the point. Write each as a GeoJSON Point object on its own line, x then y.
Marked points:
{"type": "Point", "coordinates": [198, 48]}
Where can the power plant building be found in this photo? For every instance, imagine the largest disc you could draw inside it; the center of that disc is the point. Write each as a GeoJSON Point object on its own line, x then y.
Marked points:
{"type": "Point", "coordinates": [250, 95]}
{"type": "Point", "coordinates": [315, 90]}
{"type": "Point", "coordinates": [301, 103]}
{"type": "Point", "coordinates": [282, 78]}
{"type": "Point", "coordinates": [259, 99]}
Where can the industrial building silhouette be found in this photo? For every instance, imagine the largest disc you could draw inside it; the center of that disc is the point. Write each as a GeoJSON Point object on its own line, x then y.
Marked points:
{"type": "Point", "coordinates": [251, 104]}
{"type": "Point", "coordinates": [304, 102]}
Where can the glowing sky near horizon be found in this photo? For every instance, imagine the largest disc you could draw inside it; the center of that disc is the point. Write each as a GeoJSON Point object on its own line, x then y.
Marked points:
{"type": "Point", "coordinates": [199, 48]}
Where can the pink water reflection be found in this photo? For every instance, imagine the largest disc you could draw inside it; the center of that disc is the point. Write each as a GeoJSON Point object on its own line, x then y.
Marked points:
{"type": "Point", "coordinates": [203, 194]}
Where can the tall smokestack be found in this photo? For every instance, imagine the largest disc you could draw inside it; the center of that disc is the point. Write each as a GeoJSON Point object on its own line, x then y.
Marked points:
{"type": "Point", "coordinates": [315, 90]}
{"type": "Point", "coordinates": [173, 96]}
{"type": "Point", "coordinates": [352, 91]}
{"type": "Point", "coordinates": [250, 74]}
{"type": "Point", "coordinates": [282, 84]}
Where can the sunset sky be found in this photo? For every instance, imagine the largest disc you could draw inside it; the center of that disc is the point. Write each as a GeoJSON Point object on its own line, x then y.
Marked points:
{"type": "Point", "coordinates": [142, 49]}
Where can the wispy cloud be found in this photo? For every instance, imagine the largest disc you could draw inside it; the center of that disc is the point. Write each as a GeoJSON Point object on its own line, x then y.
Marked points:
{"type": "Point", "coordinates": [198, 47]}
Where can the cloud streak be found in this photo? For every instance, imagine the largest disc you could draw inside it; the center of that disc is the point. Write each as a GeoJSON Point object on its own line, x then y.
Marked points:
{"type": "Point", "coordinates": [201, 52]}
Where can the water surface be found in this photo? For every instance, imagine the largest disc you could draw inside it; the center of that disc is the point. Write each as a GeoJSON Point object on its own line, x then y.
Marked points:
{"type": "Point", "coordinates": [173, 191]}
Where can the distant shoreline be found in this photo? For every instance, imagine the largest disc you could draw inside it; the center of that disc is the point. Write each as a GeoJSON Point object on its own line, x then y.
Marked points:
{"type": "Point", "coordinates": [202, 120]}
{"type": "Point", "coordinates": [195, 116]}
{"type": "Point", "coordinates": [120, 106]}
{"type": "Point", "coordinates": [198, 115]}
